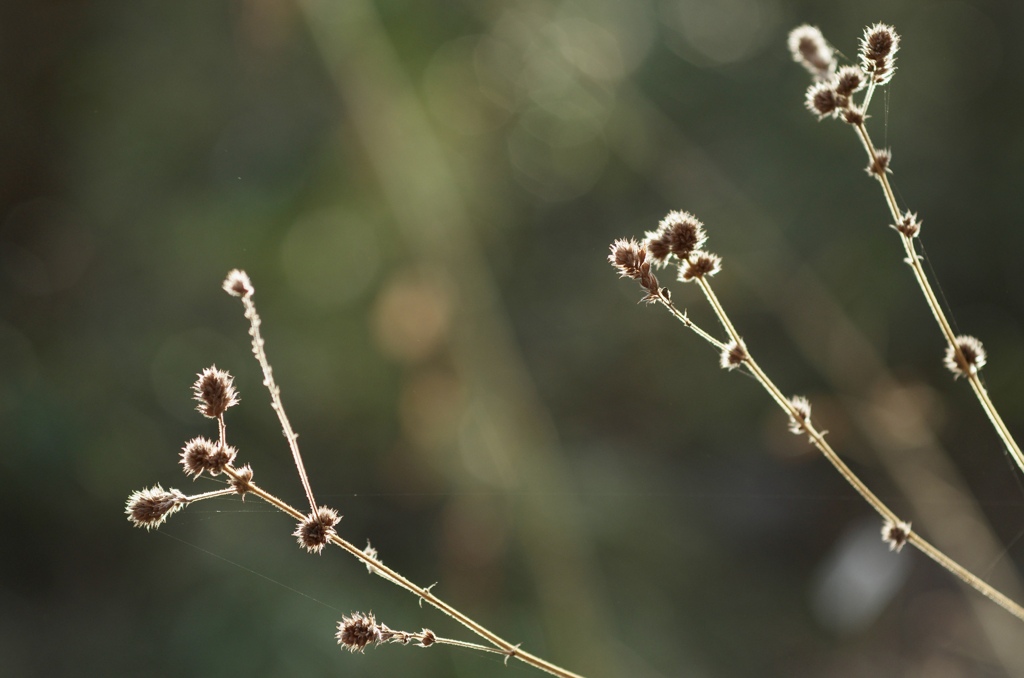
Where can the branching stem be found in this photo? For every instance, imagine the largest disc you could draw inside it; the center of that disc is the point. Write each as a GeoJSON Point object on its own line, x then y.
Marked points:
{"type": "Point", "coordinates": [503, 646]}
{"type": "Point", "coordinates": [914, 261]}
{"type": "Point", "coordinates": [817, 438]}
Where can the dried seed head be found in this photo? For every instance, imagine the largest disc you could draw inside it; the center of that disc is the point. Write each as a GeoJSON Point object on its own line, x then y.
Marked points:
{"type": "Point", "coordinates": [880, 165]}
{"type": "Point", "coordinates": [801, 414]}
{"type": "Point", "coordinates": [733, 355]}
{"type": "Point", "coordinates": [630, 258]}
{"type": "Point", "coordinates": [678, 234]}
{"type": "Point", "coordinates": [357, 630]}
{"type": "Point", "coordinates": [200, 454]}
{"type": "Point", "coordinates": [895, 534]}
{"type": "Point", "coordinates": [317, 528]}
{"type": "Point", "coordinates": [970, 358]}
{"type": "Point", "coordinates": [700, 265]}
{"type": "Point", "coordinates": [808, 47]}
{"type": "Point", "coordinates": [878, 52]}
{"type": "Point", "coordinates": [427, 638]}
{"type": "Point", "coordinates": [237, 284]}
{"type": "Point", "coordinates": [241, 484]}
{"type": "Point", "coordinates": [371, 553]}
{"type": "Point", "coordinates": [909, 225]}
{"type": "Point", "coordinates": [847, 80]}
{"type": "Point", "coordinates": [150, 507]}
{"type": "Point", "coordinates": [215, 392]}
{"type": "Point", "coordinates": [822, 100]}
{"type": "Point", "coordinates": [854, 115]}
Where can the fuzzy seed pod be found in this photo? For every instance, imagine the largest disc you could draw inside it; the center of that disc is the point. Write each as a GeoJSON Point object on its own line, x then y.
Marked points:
{"type": "Point", "coordinates": [878, 52]}
{"type": "Point", "coordinates": [973, 353]}
{"type": "Point", "coordinates": [317, 528]}
{"type": "Point", "coordinates": [909, 225]}
{"type": "Point", "coordinates": [200, 454]}
{"type": "Point", "coordinates": [356, 631]}
{"type": "Point", "coordinates": [801, 414]}
{"type": "Point", "coordinates": [700, 265]}
{"type": "Point", "coordinates": [215, 392]}
{"type": "Point", "coordinates": [149, 508]}
{"type": "Point", "coordinates": [630, 258]}
{"type": "Point", "coordinates": [895, 534]}
{"type": "Point", "coordinates": [241, 485]}
{"type": "Point", "coordinates": [427, 638]}
{"type": "Point", "coordinates": [880, 165]}
{"type": "Point", "coordinates": [854, 115]}
{"type": "Point", "coordinates": [237, 284]}
{"type": "Point", "coordinates": [808, 47]}
{"type": "Point", "coordinates": [847, 80]}
{"type": "Point", "coordinates": [822, 100]}
{"type": "Point", "coordinates": [733, 355]}
{"type": "Point", "coordinates": [678, 234]}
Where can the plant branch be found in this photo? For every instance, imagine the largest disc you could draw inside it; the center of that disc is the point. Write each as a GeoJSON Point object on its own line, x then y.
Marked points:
{"type": "Point", "coordinates": [275, 397]}
{"type": "Point", "coordinates": [914, 261]}
{"type": "Point", "coordinates": [374, 565]}
{"type": "Point", "coordinates": [817, 438]}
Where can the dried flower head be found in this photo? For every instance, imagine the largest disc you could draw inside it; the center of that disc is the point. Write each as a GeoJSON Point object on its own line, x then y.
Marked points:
{"type": "Point", "coordinates": [847, 80]}
{"type": "Point", "coordinates": [733, 355]}
{"type": "Point", "coordinates": [200, 454]}
{"type": "Point", "coordinates": [800, 415]}
{"type": "Point", "coordinates": [854, 115]}
{"type": "Point", "coordinates": [895, 534]}
{"type": "Point", "coordinates": [909, 225]}
{"type": "Point", "coordinates": [357, 630]}
{"type": "Point", "coordinates": [371, 553]}
{"type": "Point", "coordinates": [317, 528]}
{"type": "Point", "coordinates": [880, 164]}
{"type": "Point", "coordinates": [968, 360]}
{"type": "Point", "coordinates": [878, 52]}
{"type": "Point", "coordinates": [678, 234]}
{"type": "Point", "coordinates": [808, 47]}
{"type": "Point", "coordinates": [700, 265]}
{"type": "Point", "coordinates": [150, 507]}
{"type": "Point", "coordinates": [215, 392]}
{"type": "Point", "coordinates": [241, 484]}
{"type": "Point", "coordinates": [427, 638]}
{"type": "Point", "coordinates": [630, 258]}
{"type": "Point", "coordinates": [237, 284]}
{"type": "Point", "coordinates": [822, 100]}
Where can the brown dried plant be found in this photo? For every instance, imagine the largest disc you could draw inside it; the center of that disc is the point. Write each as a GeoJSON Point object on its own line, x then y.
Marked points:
{"type": "Point", "coordinates": [831, 95]}
{"type": "Point", "coordinates": [679, 239]}
{"type": "Point", "coordinates": [215, 392]}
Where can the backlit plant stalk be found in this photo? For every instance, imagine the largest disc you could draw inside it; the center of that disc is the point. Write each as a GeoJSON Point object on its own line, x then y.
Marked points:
{"type": "Point", "coordinates": [831, 95]}
{"type": "Point", "coordinates": [678, 240]}
{"type": "Point", "coordinates": [215, 392]}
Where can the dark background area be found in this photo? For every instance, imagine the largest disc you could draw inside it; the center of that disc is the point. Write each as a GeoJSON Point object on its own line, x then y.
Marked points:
{"type": "Point", "coordinates": [423, 195]}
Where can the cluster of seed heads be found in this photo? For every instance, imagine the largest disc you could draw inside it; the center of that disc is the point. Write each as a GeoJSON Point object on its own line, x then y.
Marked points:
{"type": "Point", "coordinates": [359, 629]}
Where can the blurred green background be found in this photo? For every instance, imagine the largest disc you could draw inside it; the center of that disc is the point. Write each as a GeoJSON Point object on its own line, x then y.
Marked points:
{"type": "Point", "coordinates": [423, 194]}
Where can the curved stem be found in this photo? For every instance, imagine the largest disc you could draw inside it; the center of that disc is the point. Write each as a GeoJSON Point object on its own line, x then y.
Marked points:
{"type": "Point", "coordinates": [914, 261]}
{"type": "Point", "coordinates": [818, 440]}
{"type": "Point", "coordinates": [502, 645]}
{"type": "Point", "coordinates": [275, 396]}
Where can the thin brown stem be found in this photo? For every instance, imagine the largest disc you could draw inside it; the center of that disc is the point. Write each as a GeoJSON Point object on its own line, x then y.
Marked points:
{"type": "Point", "coordinates": [817, 438]}
{"type": "Point", "coordinates": [275, 396]}
{"type": "Point", "coordinates": [209, 495]}
{"type": "Point", "coordinates": [914, 261]}
{"type": "Point", "coordinates": [502, 645]}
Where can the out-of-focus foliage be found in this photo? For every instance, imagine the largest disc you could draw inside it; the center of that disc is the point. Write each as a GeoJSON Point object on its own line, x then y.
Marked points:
{"type": "Point", "coordinates": [423, 194]}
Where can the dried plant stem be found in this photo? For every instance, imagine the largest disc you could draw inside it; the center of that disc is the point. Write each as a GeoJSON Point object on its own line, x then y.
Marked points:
{"type": "Point", "coordinates": [914, 260]}
{"type": "Point", "coordinates": [817, 438]}
{"type": "Point", "coordinates": [502, 646]}
{"type": "Point", "coordinates": [210, 495]}
{"type": "Point", "coordinates": [469, 646]}
{"type": "Point", "coordinates": [275, 397]}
